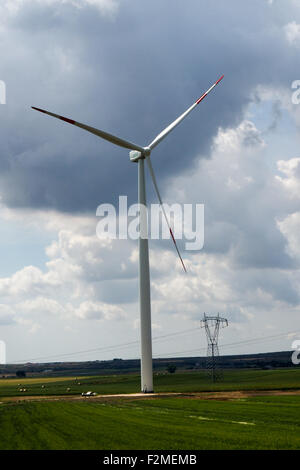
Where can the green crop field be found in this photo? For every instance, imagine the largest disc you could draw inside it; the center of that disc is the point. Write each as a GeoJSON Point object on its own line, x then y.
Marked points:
{"type": "Point", "coordinates": [163, 423]}
{"type": "Point", "coordinates": [181, 382]}
{"type": "Point", "coordinates": [173, 423]}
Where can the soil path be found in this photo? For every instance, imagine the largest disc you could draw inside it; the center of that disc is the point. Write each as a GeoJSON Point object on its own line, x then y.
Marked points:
{"type": "Point", "coordinates": [224, 396]}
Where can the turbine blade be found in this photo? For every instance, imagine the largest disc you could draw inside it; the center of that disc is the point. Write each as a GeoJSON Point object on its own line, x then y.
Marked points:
{"type": "Point", "coordinates": [177, 121]}
{"type": "Point", "coordinates": [163, 209]}
{"type": "Point", "coordinates": [105, 135]}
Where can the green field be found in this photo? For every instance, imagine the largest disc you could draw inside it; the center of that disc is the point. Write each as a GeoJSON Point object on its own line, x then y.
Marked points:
{"type": "Point", "coordinates": [181, 382]}
{"type": "Point", "coordinates": [168, 423]}
{"type": "Point", "coordinates": [172, 423]}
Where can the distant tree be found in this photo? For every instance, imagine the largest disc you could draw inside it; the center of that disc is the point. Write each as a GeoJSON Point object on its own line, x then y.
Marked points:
{"type": "Point", "coordinates": [171, 369]}
{"type": "Point", "coordinates": [20, 373]}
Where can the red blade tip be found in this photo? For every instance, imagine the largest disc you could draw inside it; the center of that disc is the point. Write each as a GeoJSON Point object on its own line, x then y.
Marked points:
{"type": "Point", "coordinates": [221, 78]}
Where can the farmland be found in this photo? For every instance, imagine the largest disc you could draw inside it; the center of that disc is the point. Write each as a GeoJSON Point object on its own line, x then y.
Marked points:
{"type": "Point", "coordinates": [163, 423]}
{"type": "Point", "coordinates": [280, 379]}
{"type": "Point", "coordinates": [248, 410]}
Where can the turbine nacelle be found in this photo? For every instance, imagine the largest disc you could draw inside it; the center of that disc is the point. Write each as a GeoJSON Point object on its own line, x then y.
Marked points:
{"type": "Point", "coordinates": [135, 155]}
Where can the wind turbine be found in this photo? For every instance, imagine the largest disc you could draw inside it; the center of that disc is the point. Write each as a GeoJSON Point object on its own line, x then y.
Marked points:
{"type": "Point", "coordinates": [140, 154]}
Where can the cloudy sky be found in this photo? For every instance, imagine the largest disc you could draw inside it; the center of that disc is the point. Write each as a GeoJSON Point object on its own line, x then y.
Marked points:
{"type": "Point", "coordinates": [130, 67]}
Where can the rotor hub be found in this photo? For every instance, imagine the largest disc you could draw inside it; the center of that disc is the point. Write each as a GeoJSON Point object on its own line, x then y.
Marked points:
{"type": "Point", "coordinates": [147, 151]}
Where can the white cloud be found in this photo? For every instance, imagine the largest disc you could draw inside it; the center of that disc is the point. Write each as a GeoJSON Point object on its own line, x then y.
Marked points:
{"type": "Point", "coordinates": [245, 135]}
{"type": "Point", "coordinates": [104, 6]}
{"type": "Point", "coordinates": [70, 285]}
{"type": "Point", "coordinates": [291, 179]}
{"type": "Point", "coordinates": [292, 32]}
{"type": "Point", "coordinates": [23, 282]}
{"type": "Point", "coordinates": [7, 314]}
{"type": "Point", "coordinates": [290, 227]}
{"type": "Point", "coordinates": [41, 306]}
{"type": "Point", "coordinates": [98, 311]}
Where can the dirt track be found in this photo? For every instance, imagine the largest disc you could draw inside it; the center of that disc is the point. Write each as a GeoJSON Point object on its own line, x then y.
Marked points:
{"type": "Point", "coordinates": [237, 395]}
{"type": "Point", "coordinates": [224, 396]}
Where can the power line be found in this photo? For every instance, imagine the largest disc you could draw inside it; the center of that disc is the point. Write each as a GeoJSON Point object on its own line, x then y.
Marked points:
{"type": "Point", "coordinates": [237, 343]}
{"type": "Point", "coordinates": [105, 348]}
{"type": "Point", "coordinates": [163, 338]}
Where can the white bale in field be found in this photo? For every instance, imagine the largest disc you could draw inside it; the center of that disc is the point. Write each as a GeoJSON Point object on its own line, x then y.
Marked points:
{"type": "Point", "coordinates": [88, 394]}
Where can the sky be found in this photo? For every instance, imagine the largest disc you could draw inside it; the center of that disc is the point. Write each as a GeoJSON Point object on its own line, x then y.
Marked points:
{"type": "Point", "coordinates": [130, 67]}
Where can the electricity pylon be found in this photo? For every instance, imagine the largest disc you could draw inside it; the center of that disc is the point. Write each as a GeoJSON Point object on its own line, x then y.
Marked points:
{"type": "Point", "coordinates": [212, 327]}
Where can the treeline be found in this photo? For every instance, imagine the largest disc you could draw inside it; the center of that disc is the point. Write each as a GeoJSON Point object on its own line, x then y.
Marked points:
{"type": "Point", "coordinates": [258, 361]}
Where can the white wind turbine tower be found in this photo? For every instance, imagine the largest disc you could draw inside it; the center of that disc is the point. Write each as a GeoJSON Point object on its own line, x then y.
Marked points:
{"type": "Point", "coordinates": [140, 154]}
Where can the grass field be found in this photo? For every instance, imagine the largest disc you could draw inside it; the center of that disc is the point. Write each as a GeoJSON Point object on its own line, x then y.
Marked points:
{"type": "Point", "coordinates": [168, 423]}
{"type": "Point", "coordinates": [181, 382]}
{"type": "Point", "coordinates": [173, 423]}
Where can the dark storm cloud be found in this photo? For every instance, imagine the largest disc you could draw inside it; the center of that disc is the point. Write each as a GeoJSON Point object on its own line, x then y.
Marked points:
{"type": "Point", "coordinates": [131, 75]}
